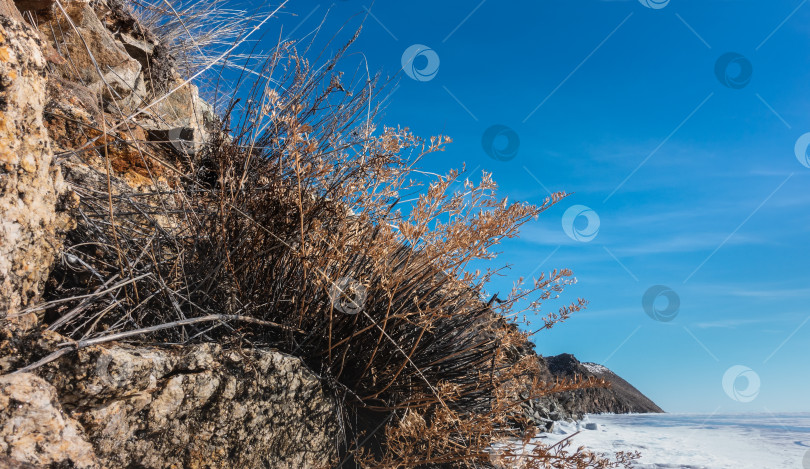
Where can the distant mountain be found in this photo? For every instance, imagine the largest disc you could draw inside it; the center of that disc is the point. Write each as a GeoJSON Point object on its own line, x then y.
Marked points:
{"type": "Point", "coordinates": [620, 398]}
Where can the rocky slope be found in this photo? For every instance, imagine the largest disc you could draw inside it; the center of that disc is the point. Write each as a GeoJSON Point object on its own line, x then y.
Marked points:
{"type": "Point", "coordinates": [68, 73]}
{"type": "Point", "coordinates": [621, 397]}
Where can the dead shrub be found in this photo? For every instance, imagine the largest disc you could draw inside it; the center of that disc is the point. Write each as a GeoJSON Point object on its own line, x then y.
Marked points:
{"type": "Point", "coordinates": [304, 227]}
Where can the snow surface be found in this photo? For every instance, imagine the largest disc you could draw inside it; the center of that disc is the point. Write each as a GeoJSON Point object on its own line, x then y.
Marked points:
{"type": "Point", "coordinates": [755, 441]}
{"type": "Point", "coordinates": [595, 368]}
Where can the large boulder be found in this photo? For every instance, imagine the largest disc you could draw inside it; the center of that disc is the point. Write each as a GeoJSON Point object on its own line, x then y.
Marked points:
{"type": "Point", "coordinates": [198, 407]}
{"type": "Point", "coordinates": [35, 430]}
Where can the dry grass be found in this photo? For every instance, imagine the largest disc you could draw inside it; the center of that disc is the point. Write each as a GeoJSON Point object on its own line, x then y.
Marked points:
{"type": "Point", "coordinates": [197, 32]}
{"type": "Point", "coordinates": [305, 227]}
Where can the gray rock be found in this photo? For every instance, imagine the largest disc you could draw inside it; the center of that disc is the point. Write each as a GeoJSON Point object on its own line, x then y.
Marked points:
{"type": "Point", "coordinates": [549, 426]}
{"type": "Point", "coordinates": [138, 49]}
{"type": "Point", "coordinates": [33, 428]}
{"type": "Point", "coordinates": [198, 406]}
{"type": "Point", "coordinates": [188, 118]}
{"type": "Point", "coordinates": [96, 58]}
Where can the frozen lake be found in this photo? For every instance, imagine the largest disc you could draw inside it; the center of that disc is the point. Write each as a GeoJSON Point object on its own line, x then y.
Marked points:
{"type": "Point", "coordinates": [730, 441]}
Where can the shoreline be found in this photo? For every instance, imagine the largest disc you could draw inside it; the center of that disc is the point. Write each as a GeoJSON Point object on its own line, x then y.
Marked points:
{"type": "Point", "coordinates": [719, 441]}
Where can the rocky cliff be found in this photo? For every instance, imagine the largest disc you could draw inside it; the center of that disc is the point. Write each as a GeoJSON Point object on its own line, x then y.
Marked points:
{"type": "Point", "coordinates": [76, 74]}
{"type": "Point", "coordinates": [32, 190]}
{"type": "Point", "coordinates": [619, 398]}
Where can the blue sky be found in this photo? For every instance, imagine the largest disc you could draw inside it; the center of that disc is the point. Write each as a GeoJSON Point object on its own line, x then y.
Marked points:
{"type": "Point", "coordinates": [693, 176]}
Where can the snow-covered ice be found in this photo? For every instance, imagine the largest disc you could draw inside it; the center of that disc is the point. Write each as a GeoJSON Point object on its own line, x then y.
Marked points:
{"type": "Point", "coordinates": [595, 368]}
{"type": "Point", "coordinates": [755, 441]}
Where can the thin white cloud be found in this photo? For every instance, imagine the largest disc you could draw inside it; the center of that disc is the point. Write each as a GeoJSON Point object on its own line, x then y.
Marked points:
{"type": "Point", "coordinates": [684, 243]}
{"type": "Point", "coordinates": [773, 294]}
{"type": "Point", "coordinates": [730, 323]}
